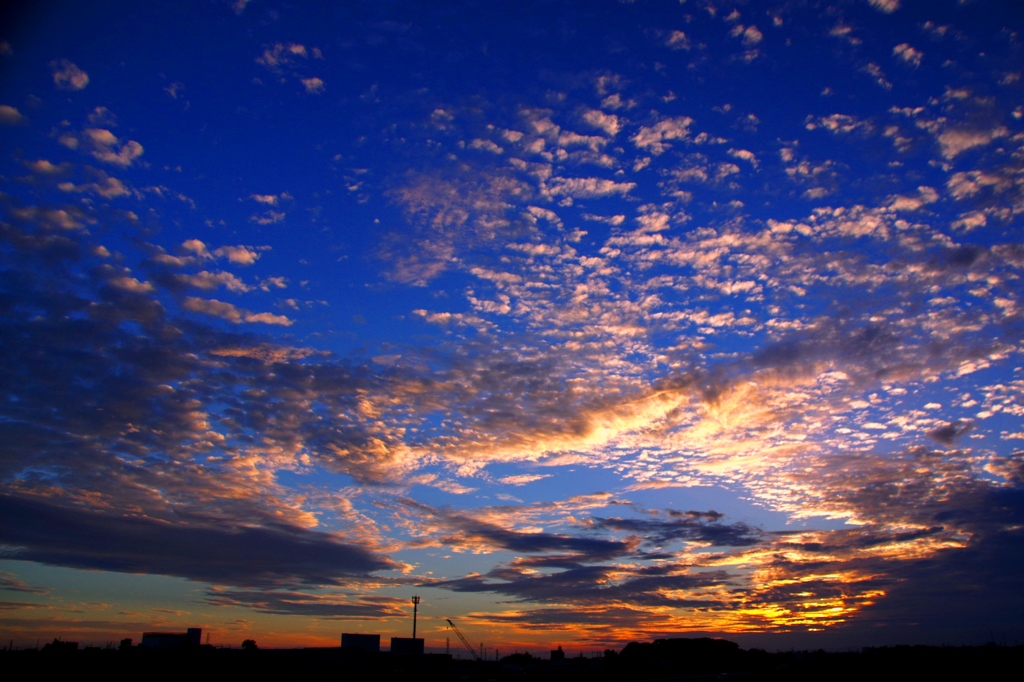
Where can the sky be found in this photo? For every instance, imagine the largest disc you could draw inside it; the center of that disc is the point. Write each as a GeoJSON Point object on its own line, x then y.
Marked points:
{"type": "Point", "coordinates": [587, 322]}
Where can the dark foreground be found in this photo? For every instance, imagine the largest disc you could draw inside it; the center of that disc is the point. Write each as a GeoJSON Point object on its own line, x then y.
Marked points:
{"type": "Point", "coordinates": [664, 660]}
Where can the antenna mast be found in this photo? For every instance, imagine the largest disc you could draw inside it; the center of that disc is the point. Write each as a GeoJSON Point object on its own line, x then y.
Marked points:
{"type": "Point", "coordinates": [415, 605]}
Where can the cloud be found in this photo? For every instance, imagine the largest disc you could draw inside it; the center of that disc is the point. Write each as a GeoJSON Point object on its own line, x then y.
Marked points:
{"type": "Point", "coordinates": [844, 31]}
{"type": "Point", "coordinates": [57, 535]}
{"type": "Point", "coordinates": [589, 187]}
{"type": "Point", "coordinates": [131, 285]}
{"type": "Point", "coordinates": [838, 123]}
{"type": "Point", "coordinates": [281, 54]}
{"type": "Point", "coordinates": [655, 586]}
{"type": "Point", "coordinates": [271, 199]}
{"type": "Point", "coordinates": [67, 76]}
{"type": "Point", "coordinates": [453, 528]}
{"type": "Point", "coordinates": [51, 219]}
{"type": "Point", "coordinates": [886, 6]}
{"type": "Point", "coordinates": [967, 184]}
{"type": "Point", "coordinates": [609, 123]}
{"type": "Point", "coordinates": [332, 605]}
{"type": "Point", "coordinates": [199, 252]}
{"type": "Point", "coordinates": [228, 311]}
{"type": "Point", "coordinates": [106, 147]}
{"type": "Point", "coordinates": [951, 432]}
{"type": "Point", "coordinates": [239, 255]}
{"type": "Point", "coordinates": [908, 54]}
{"type": "Point", "coordinates": [958, 140]}
{"type": "Point", "coordinates": [926, 195]}
{"type": "Point", "coordinates": [486, 145]}
{"type": "Point", "coordinates": [314, 86]}
{"type": "Point", "coordinates": [876, 71]}
{"type": "Point", "coordinates": [208, 281]}
{"type": "Point", "coordinates": [9, 116]}
{"type": "Point", "coordinates": [12, 583]}
{"type": "Point", "coordinates": [677, 40]}
{"type": "Point", "coordinates": [750, 34]}
{"type": "Point", "coordinates": [746, 155]}
{"type": "Point", "coordinates": [450, 212]}
{"type": "Point", "coordinates": [105, 186]}
{"type": "Point", "coordinates": [268, 218]}
{"type": "Point", "coordinates": [655, 138]}
{"type": "Point", "coordinates": [684, 526]}
{"type": "Point", "coordinates": [522, 479]}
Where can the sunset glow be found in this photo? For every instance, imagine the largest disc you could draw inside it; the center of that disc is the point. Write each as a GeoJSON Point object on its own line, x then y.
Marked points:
{"type": "Point", "coordinates": [587, 322]}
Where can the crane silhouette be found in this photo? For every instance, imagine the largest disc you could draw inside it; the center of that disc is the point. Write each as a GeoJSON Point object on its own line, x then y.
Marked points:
{"type": "Point", "coordinates": [465, 642]}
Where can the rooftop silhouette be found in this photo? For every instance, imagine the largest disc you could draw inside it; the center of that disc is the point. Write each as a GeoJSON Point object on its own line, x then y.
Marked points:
{"type": "Point", "coordinates": [661, 659]}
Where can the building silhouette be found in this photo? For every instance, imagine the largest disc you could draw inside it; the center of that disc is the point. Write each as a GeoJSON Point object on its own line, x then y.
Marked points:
{"type": "Point", "coordinates": [407, 645]}
{"type": "Point", "coordinates": [368, 643]}
{"type": "Point", "coordinates": [164, 641]}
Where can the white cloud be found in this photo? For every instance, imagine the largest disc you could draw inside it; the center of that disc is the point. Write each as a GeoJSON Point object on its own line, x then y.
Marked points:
{"type": "Point", "coordinates": [67, 76]}
{"type": "Point", "coordinates": [970, 220]}
{"type": "Point", "coordinates": [908, 54]}
{"type": "Point", "coordinates": [750, 34]}
{"type": "Point", "coordinates": [49, 218]}
{"type": "Point", "coordinates": [614, 101]}
{"type": "Point", "coordinates": [9, 116]}
{"type": "Point", "coordinates": [846, 33]}
{"type": "Point", "coordinates": [240, 255]}
{"type": "Point", "coordinates": [131, 285]}
{"type": "Point", "coordinates": [453, 487]}
{"type": "Point", "coordinates": [725, 170]}
{"type": "Point", "coordinates": [231, 313]}
{"type": "Point", "coordinates": [887, 6]}
{"type": "Point", "coordinates": [610, 220]}
{"type": "Point", "coordinates": [44, 167]}
{"type": "Point", "coordinates": [314, 86]}
{"type": "Point", "coordinates": [208, 281]}
{"type": "Point", "coordinates": [106, 187]}
{"type": "Point", "coordinates": [964, 185]}
{"type": "Point", "coordinates": [837, 123]}
{"type": "Point", "coordinates": [537, 212]}
{"type": "Point", "coordinates": [654, 138]}
{"type": "Point", "coordinates": [590, 187]}
{"type": "Point", "coordinates": [522, 479]}
{"type": "Point", "coordinates": [535, 249]}
{"type": "Point", "coordinates": [609, 123]}
{"type": "Point", "coordinates": [280, 54]}
{"type": "Point", "coordinates": [926, 195]}
{"type": "Point", "coordinates": [104, 146]}
{"type": "Point", "coordinates": [486, 145]}
{"type": "Point", "coordinates": [957, 141]}
{"type": "Point", "coordinates": [677, 40]}
{"type": "Point", "coordinates": [496, 277]}
{"type": "Point", "coordinates": [745, 155]}
{"type": "Point", "coordinates": [876, 71]}
{"type": "Point", "coordinates": [268, 218]}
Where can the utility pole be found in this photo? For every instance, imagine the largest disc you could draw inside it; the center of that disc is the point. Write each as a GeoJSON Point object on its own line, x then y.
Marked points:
{"type": "Point", "coordinates": [415, 605]}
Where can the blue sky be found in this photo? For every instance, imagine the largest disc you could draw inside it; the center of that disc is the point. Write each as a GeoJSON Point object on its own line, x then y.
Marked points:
{"type": "Point", "coordinates": [588, 322]}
